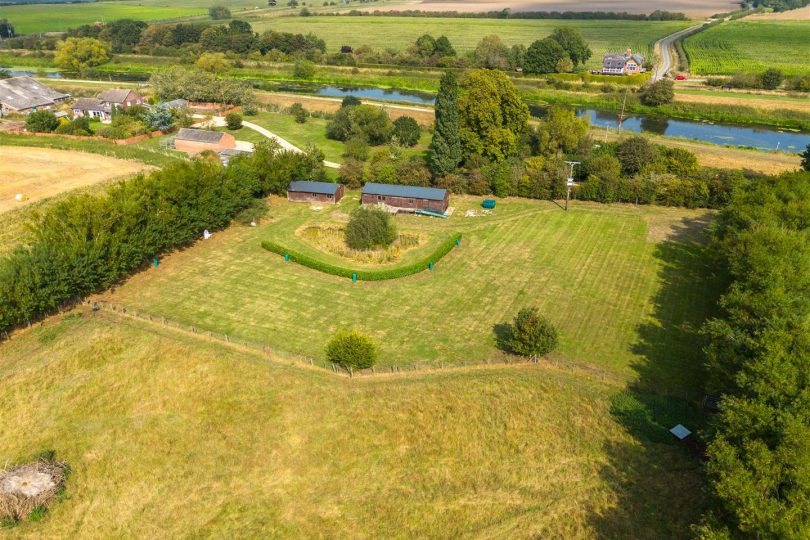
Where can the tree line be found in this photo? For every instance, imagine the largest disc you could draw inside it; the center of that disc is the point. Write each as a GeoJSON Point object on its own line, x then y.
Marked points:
{"type": "Point", "coordinates": [759, 365]}
{"type": "Point", "coordinates": [657, 15]}
{"type": "Point", "coordinates": [86, 243]}
{"type": "Point", "coordinates": [483, 144]}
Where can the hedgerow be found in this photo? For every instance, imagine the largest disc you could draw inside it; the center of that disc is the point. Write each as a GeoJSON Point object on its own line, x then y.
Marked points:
{"type": "Point", "coordinates": [365, 275]}
{"type": "Point", "coordinates": [87, 243]}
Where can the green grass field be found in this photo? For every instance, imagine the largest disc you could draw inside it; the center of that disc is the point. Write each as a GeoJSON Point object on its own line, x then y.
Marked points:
{"type": "Point", "coordinates": [595, 271]}
{"type": "Point", "coordinates": [31, 19]}
{"type": "Point", "coordinates": [171, 436]}
{"type": "Point", "coordinates": [750, 46]}
{"type": "Point", "coordinates": [401, 32]}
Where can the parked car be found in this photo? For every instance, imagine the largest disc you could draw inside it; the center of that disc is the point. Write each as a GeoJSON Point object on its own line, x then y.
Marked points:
{"type": "Point", "coordinates": [680, 78]}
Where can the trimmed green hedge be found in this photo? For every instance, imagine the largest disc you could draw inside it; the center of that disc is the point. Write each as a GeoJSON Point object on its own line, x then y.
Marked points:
{"type": "Point", "coordinates": [365, 275]}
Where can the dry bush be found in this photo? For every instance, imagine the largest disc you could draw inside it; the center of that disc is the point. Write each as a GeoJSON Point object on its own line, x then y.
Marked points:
{"type": "Point", "coordinates": [333, 240]}
{"type": "Point", "coordinates": [27, 487]}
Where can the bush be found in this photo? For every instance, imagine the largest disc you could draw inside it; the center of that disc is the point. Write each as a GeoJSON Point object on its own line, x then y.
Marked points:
{"type": "Point", "coordinates": [635, 153]}
{"type": "Point", "coordinates": [234, 120]}
{"type": "Point", "coordinates": [357, 148]}
{"type": "Point", "coordinates": [365, 275]}
{"type": "Point", "coordinates": [41, 122]}
{"type": "Point", "coordinates": [658, 93]}
{"type": "Point", "coordinates": [299, 113]}
{"type": "Point", "coordinates": [370, 228]}
{"type": "Point", "coordinates": [77, 126]}
{"type": "Point", "coordinates": [771, 79]}
{"type": "Point", "coordinates": [304, 69]}
{"type": "Point", "coordinates": [350, 101]}
{"type": "Point", "coordinates": [219, 12]}
{"type": "Point", "coordinates": [351, 173]}
{"type": "Point", "coordinates": [352, 350]}
{"type": "Point", "coordinates": [407, 131]}
{"type": "Point", "coordinates": [531, 334]}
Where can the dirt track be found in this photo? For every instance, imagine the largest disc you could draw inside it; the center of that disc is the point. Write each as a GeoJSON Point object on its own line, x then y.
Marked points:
{"type": "Point", "coordinates": [38, 173]}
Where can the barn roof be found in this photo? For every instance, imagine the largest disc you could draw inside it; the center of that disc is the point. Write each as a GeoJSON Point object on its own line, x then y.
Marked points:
{"type": "Point", "coordinates": [199, 135]}
{"type": "Point", "coordinates": [305, 186]}
{"type": "Point", "coordinates": [114, 96]}
{"type": "Point", "coordinates": [22, 93]}
{"type": "Point", "coordinates": [409, 192]}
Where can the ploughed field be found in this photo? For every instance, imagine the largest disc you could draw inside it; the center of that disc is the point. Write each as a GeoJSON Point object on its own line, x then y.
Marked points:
{"type": "Point", "coordinates": [597, 271]}
{"type": "Point", "coordinates": [381, 33]}
{"type": "Point", "coordinates": [751, 46]}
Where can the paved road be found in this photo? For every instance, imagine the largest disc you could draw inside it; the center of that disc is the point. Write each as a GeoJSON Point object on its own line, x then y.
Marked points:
{"type": "Point", "coordinates": [667, 53]}
{"type": "Point", "coordinates": [219, 121]}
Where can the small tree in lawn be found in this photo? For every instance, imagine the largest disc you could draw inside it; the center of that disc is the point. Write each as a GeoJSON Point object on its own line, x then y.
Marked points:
{"type": "Point", "coordinates": [234, 120]}
{"type": "Point", "coordinates": [531, 334]}
{"type": "Point", "coordinates": [658, 93]}
{"type": "Point", "coordinates": [352, 350]}
{"type": "Point", "coordinates": [407, 131]}
{"type": "Point", "coordinates": [298, 112]}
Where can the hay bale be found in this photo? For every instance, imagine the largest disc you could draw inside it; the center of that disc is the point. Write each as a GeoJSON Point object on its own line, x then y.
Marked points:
{"type": "Point", "coordinates": [27, 487]}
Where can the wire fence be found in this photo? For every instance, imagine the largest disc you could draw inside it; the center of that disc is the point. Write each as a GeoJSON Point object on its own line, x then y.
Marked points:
{"type": "Point", "coordinates": [278, 354]}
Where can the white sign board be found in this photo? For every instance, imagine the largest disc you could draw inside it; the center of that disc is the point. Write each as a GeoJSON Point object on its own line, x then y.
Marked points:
{"type": "Point", "coordinates": [570, 182]}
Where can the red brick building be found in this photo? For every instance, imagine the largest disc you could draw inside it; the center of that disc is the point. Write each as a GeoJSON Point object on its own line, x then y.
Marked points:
{"type": "Point", "coordinates": [407, 197]}
{"type": "Point", "coordinates": [193, 141]}
{"type": "Point", "coordinates": [324, 192]}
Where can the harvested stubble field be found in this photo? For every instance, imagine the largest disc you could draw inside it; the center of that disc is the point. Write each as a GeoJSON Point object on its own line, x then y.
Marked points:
{"type": "Point", "coordinates": [750, 46]}
{"type": "Point", "coordinates": [596, 271]}
{"type": "Point", "coordinates": [381, 33]}
{"type": "Point", "coordinates": [172, 436]}
{"type": "Point", "coordinates": [39, 173]}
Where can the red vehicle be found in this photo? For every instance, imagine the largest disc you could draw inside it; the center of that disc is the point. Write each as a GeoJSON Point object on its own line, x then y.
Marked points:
{"type": "Point", "coordinates": [680, 77]}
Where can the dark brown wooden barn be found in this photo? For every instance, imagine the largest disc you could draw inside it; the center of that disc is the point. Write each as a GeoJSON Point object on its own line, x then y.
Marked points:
{"type": "Point", "coordinates": [409, 197]}
{"type": "Point", "coordinates": [306, 191]}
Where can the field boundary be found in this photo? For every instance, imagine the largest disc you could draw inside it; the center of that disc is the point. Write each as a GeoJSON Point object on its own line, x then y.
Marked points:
{"type": "Point", "coordinates": [366, 275]}
{"type": "Point", "coordinates": [280, 356]}
{"type": "Point", "coordinates": [131, 140]}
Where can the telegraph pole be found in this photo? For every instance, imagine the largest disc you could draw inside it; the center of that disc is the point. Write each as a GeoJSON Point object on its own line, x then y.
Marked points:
{"type": "Point", "coordinates": [570, 182]}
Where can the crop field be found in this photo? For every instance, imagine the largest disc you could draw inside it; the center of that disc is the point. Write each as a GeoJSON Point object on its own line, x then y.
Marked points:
{"type": "Point", "coordinates": [169, 436]}
{"type": "Point", "coordinates": [38, 173]}
{"type": "Point", "coordinates": [31, 19]}
{"type": "Point", "coordinates": [750, 46]}
{"type": "Point", "coordinates": [595, 271]}
{"type": "Point", "coordinates": [401, 32]}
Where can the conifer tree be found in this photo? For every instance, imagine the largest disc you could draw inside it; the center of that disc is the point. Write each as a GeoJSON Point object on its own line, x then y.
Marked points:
{"type": "Point", "coordinates": [445, 148]}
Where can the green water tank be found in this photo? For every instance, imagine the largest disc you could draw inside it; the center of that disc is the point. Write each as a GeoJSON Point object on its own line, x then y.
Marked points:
{"type": "Point", "coordinates": [489, 204]}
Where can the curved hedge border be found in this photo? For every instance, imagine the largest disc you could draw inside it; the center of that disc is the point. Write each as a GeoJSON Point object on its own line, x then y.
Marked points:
{"type": "Point", "coordinates": [366, 275]}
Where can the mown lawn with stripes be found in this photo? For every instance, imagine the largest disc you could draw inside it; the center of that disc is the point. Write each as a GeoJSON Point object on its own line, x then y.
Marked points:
{"type": "Point", "coordinates": [614, 279]}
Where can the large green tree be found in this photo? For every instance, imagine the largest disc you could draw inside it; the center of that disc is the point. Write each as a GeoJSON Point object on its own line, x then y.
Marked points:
{"type": "Point", "coordinates": [492, 116]}
{"type": "Point", "coordinates": [491, 53]}
{"type": "Point", "coordinates": [80, 54]}
{"type": "Point", "coordinates": [444, 154]}
{"type": "Point", "coordinates": [543, 56]}
{"type": "Point", "coordinates": [572, 42]}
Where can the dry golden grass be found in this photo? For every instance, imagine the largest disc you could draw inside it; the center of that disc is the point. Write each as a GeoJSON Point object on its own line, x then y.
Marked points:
{"type": "Point", "coordinates": [170, 436]}
{"type": "Point", "coordinates": [30, 486]}
{"type": "Point", "coordinates": [332, 239]}
{"type": "Point", "coordinates": [800, 14]}
{"type": "Point", "coordinates": [38, 173]}
{"type": "Point", "coordinates": [747, 100]}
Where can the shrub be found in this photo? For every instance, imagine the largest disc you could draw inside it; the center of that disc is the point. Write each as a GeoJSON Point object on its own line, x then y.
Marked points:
{"type": "Point", "coordinates": [406, 130]}
{"type": "Point", "coordinates": [357, 148]}
{"type": "Point", "coordinates": [634, 153]}
{"type": "Point", "coordinates": [77, 126]}
{"type": "Point", "coordinates": [658, 93]}
{"type": "Point", "coordinates": [370, 228]}
{"type": "Point", "coordinates": [352, 350]}
{"type": "Point", "coordinates": [219, 12]}
{"type": "Point", "coordinates": [299, 113]}
{"type": "Point", "coordinates": [304, 69]}
{"type": "Point", "coordinates": [351, 173]}
{"type": "Point", "coordinates": [531, 334]}
{"type": "Point", "coordinates": [234, 120]}
{"type": "Point", "coordinates": [41, 122]}
{"type": "Point", "coordinates": [350, 101]}
{"type": "Point", "coordinates": [771, 79]}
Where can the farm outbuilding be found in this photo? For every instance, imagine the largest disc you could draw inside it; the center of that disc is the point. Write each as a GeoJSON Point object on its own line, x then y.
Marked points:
{"type": "Point", "coordinates": [306, 191]}
{"type": "Point", "coordinates": [193, 141]}
{"type": "Point", "coordinates": [24, 95]}
{"type": "Point", "coordinates": [406, 197]}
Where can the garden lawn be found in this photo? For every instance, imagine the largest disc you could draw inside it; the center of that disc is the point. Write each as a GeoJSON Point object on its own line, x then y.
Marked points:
{"type": "Point", "coordinates": [31, 19]}
{"type": "Point", "coordinates": [172, 436]}
{"type": "Point", "coordinates": [614, 279]}
{"type": "Point", "coordinates": [750, 46]}
{"type": "Point", "coordinates": [400, 33]}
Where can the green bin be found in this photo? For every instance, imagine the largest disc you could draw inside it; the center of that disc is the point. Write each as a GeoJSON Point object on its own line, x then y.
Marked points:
{"type": "Point", "coordinates": [489, 204]}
